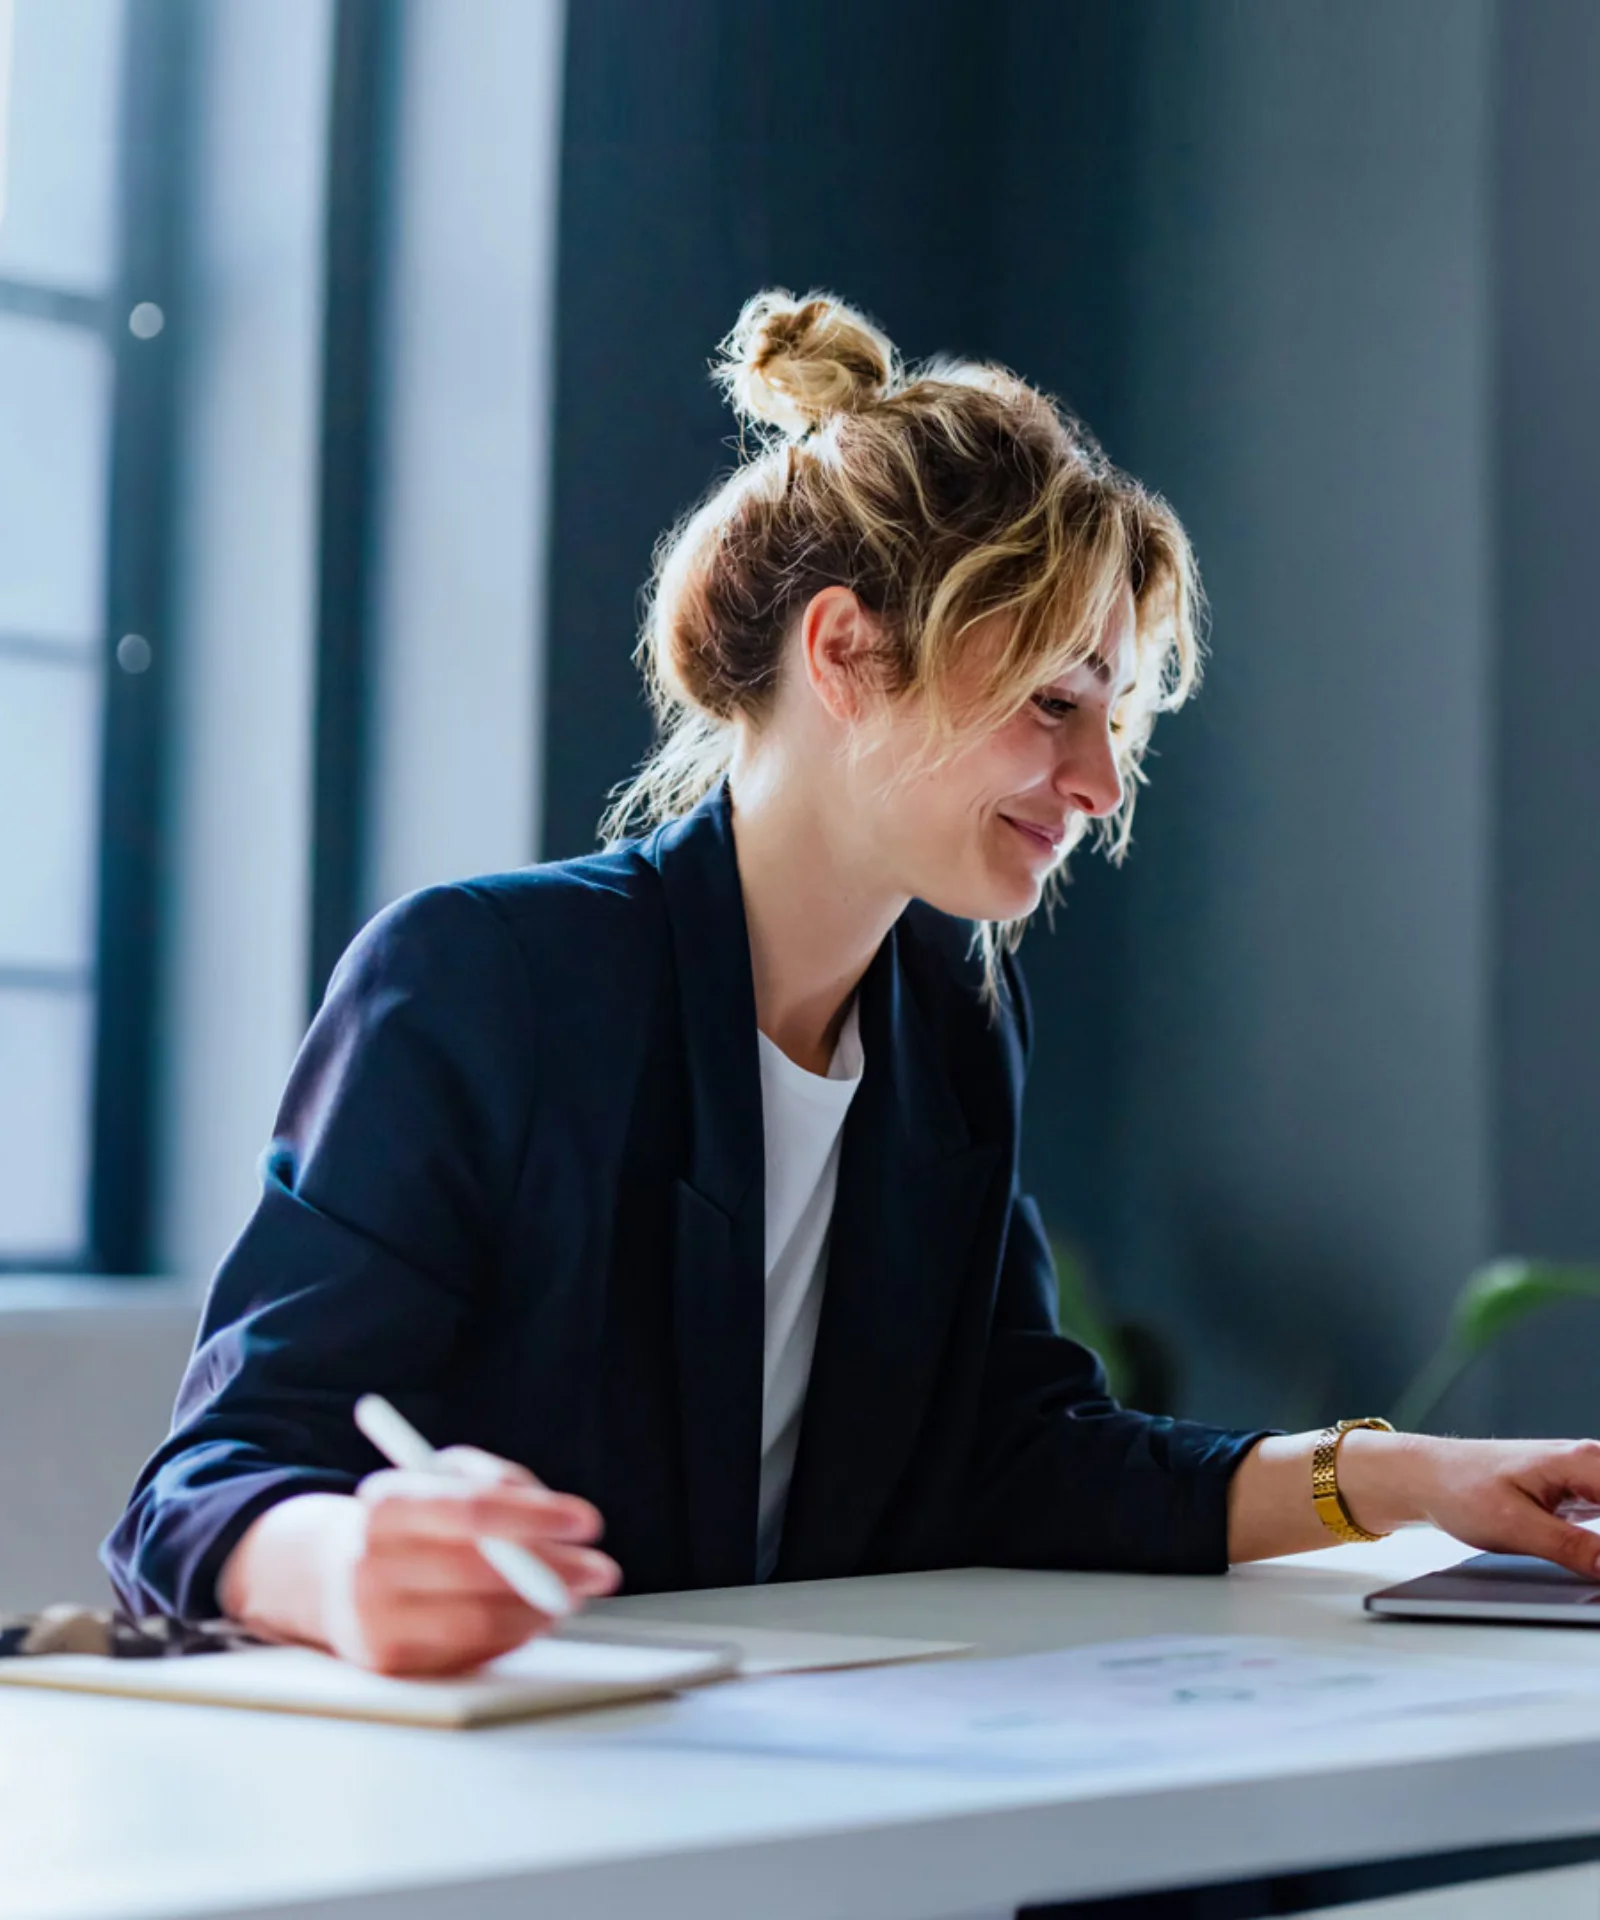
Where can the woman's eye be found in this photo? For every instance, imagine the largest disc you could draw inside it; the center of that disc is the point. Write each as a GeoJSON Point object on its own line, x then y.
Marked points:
{"type": "Point", "coordinates": [1056, 706]}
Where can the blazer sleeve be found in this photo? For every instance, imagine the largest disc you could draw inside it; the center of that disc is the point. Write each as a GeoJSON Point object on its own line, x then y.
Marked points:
{"type": "Point", "coordinates": [1062, 1475]}
{"type": "Point", "coordinates": [385, 1187]}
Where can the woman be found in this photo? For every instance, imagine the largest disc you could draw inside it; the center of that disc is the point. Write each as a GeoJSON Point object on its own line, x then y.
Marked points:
{"type": "Point", "coordinates": [686, 1174]}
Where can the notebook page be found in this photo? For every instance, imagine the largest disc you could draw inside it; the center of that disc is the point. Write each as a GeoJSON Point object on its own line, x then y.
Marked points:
{"type": "Point", "coordinates": [547, 1675]}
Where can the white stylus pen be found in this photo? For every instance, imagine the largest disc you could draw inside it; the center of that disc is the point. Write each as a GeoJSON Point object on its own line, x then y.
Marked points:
{"type": "Point", "coordinates": [400, 1443]}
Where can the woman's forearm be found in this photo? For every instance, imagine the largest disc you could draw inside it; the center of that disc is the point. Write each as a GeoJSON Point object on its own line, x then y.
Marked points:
{"type": "Point", "coordinates": [1269, 1498]}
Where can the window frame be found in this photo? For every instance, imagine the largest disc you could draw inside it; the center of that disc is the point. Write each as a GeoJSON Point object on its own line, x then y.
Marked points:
{"type": "Point", "coordinates": [153, 152]}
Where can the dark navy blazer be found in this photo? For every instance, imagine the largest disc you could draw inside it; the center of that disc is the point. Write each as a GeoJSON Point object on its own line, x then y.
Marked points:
{"type": "Point", "coordinates": [517, 1185]}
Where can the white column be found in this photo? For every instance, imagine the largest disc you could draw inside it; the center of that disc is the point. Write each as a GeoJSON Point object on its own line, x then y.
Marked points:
{"type": "Point", "coordinates": [464, 474]}
{"type": "Point", "coordinates": [245, 584]}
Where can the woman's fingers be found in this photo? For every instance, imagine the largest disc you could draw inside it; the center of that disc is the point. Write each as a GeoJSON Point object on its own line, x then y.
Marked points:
{"type": "Point", "coordinates": [1548, 1538]}
{"type": "Point", "coordinates": [1563, 1488]}
{"type": "Point", "coordinates": [472, 1463]}
{"type": "Point", "coordinates": [583, 1570]}
{"type": "Point", "coordinates": [430, 1567]}
{"type": "Point", "coordinates": [427, 1505]}
{"type": "Point", "coordinates": [1509, 1496]}
{"type": "Point", "coordinates": [1570, 1471]}
{"type": "Point", "coordinates": [411, 1568]}
{"type": "Point", "coordinates": [448, 1634]}
{"type": "Point", "coordinates": [422, 1597]}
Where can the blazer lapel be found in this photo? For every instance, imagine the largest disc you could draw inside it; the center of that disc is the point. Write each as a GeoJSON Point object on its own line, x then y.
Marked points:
{"type": "Point", "coordinates": [719, 1296]}
{"type": "Point", "coordinates": [909, 1199]}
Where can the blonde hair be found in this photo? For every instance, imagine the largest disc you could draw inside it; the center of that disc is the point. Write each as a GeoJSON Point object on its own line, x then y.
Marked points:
{"type": "Point", "coordinates": [941, 495]}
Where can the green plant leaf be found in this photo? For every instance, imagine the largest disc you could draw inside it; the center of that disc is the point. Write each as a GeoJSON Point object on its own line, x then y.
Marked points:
{"type": "Point", "coordinates": [1495, 1297]}
{"type": "Point", "coordinates": [1506, 1291]}
{"type": "Point", "coordinates": [1080, 1315]}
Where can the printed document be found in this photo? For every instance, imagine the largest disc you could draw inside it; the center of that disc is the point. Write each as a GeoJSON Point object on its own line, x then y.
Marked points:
{"type": "Point", "coordinates": [1121, 1701]}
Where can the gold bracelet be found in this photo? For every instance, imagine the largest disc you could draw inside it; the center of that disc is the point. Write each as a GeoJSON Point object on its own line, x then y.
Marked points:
{"type": "Point", "coordinates": [1325, 1495]}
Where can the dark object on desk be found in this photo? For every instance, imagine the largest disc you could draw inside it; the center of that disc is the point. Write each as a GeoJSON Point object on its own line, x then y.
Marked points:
{"type": "Point", "coordinates": [1495, 1586]}
{"type": "Point", "coordinates": [71, 1629]}
{"type": "Point", "coordinates": [1325, 1888]}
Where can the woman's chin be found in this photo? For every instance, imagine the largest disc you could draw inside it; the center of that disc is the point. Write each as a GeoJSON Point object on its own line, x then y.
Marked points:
{"type": "Point", "coordinates": [1016, 903]}
{"type": "Point", "coordinates": [997, 897]}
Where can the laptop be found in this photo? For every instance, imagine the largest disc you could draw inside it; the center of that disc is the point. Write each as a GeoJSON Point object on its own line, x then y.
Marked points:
{"type": "Point", "coordinates": [1495, 1586]}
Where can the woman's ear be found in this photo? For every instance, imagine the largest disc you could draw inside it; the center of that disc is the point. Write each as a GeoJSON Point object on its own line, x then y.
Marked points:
{"type": "Point", "coordinates": [838, 647]}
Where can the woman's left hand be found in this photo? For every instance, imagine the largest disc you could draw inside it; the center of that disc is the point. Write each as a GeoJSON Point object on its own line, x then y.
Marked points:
{"type": "Point", "coordinates": [1500, 1496]}
{"type": "Point", "coordinates": [1497, 1495]}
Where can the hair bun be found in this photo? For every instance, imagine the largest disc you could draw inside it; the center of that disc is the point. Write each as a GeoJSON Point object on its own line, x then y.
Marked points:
{"type": "Point", "coordinates": [791, 363]}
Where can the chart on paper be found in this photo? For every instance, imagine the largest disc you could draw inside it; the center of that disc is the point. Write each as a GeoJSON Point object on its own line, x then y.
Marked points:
{"type": "Point", "coordinates": [1124, 1701]}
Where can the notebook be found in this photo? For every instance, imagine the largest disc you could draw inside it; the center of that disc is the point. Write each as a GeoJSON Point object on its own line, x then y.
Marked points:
{"type": "Point", "coordinates": [1495, 1586]}
{"type": "Point", "coordinates": [548, 1675]}
{"type": "Point", "coordinates": [574, 1667]}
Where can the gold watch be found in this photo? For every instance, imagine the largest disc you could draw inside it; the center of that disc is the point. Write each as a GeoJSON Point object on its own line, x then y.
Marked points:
{"type": "Point", "coordinates": [1325, 1495]}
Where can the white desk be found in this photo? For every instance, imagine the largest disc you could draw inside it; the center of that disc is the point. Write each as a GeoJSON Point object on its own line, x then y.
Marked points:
{"type": "Point", "coordinates": [115, 1809]}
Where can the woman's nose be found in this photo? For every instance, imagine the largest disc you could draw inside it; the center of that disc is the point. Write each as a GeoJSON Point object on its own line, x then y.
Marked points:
{"type": "Point", "coordinates": [1088, 780]}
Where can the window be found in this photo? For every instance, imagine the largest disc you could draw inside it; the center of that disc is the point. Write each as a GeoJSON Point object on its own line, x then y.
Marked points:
{"type": "Point", "coordinates": [58, 245]}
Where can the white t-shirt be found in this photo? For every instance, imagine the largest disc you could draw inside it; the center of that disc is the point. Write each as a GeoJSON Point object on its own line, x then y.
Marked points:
{"type": "Point", "coordinates": [803, 1119]}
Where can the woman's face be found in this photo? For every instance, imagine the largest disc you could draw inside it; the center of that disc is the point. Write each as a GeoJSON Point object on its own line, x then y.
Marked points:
{"type": "Point", "coordinates": [978, 833]}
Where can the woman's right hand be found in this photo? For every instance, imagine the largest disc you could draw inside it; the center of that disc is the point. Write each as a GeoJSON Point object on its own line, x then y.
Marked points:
{"type": "Point", "coordinates": [390, 1577]}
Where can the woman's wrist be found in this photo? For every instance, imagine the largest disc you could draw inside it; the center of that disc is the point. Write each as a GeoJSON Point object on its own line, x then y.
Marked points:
{"type": "Point", "coordinates": [276, 1580]}
{"type": "Point", "coordinates": [1380, 1477]}
{"type": "Point", "coordinates": [1385, 1481]}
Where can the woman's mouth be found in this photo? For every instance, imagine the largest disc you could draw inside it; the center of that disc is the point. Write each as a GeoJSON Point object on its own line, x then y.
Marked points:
{"type": "Point", "coordinates": [1046, 838]}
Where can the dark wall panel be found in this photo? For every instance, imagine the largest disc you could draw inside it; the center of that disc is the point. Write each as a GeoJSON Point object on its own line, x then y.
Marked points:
{"type": "Point", "coordinates": [1251, 243]}
{"type": "Point", "coordinates": [1065, 156]}
{"type": "Point", "coordinates": [1546, 789]}
{"type": "Point", "coordinates": [1303, 1173]}
{"type": "Point", "coordinates": [710, 151]}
